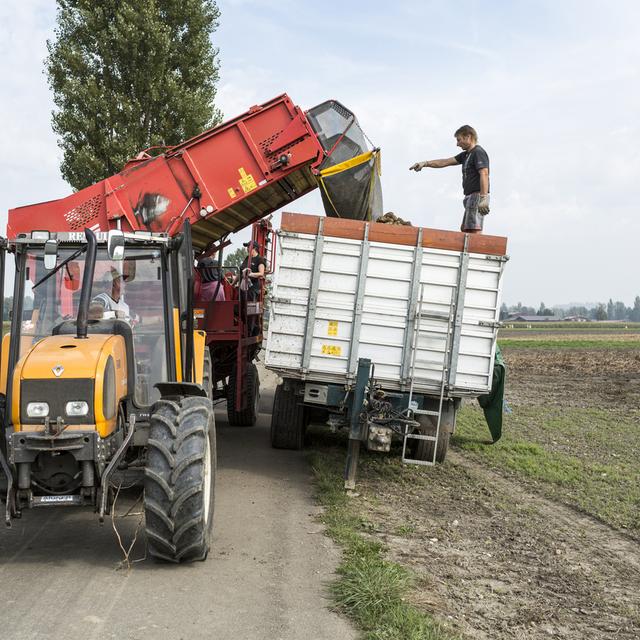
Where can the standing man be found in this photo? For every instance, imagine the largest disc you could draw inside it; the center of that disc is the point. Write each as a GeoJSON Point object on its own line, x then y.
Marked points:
{"type": "Point", "coordinates": [475, 177]}
{"type": "Point", "coordinates": [252, 270]}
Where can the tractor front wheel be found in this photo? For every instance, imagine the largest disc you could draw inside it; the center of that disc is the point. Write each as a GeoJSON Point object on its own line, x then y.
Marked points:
{"type": "Point", "coordinates": [180, 479]}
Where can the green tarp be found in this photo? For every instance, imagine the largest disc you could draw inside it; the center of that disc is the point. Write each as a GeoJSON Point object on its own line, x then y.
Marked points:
{"type": "Point", "coordinates": [492, 403]}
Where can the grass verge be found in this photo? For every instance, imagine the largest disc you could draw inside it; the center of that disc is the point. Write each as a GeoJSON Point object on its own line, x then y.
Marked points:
{"type": "Point", "coordinates": [370, 590]}
{"type": "Point", "coordinates": [587, 458]}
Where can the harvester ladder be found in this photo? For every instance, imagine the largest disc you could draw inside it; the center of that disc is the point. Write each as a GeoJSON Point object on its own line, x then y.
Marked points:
{"type": "Point", "coordinates": [449, 319]}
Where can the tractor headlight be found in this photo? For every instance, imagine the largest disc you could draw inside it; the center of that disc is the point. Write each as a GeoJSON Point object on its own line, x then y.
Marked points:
{"type": "Point", "coordinates": [38, 409]}
{"type": "Point", "coordinates": [76, 408]}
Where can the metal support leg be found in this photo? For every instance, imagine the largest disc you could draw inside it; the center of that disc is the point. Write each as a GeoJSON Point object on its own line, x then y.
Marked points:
{"type": "Point", "coordinates": [353, 455]}
{"type": "Point", "coordinates": [356, 427]}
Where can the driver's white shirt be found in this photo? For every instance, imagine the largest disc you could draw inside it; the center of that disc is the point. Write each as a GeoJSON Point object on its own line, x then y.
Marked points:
{"type": "Point", "coordinates": [110, 304]}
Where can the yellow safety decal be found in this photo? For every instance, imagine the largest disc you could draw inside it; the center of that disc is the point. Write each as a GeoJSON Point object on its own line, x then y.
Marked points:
{"type": "Point", "coordinates": [246, 181]}
{"type": "Point", "coordinates": [331, 350]}
{"type": "Point", "coordinates": [232, 192]}
{"type": "Point", "coordinates": [333, 328]}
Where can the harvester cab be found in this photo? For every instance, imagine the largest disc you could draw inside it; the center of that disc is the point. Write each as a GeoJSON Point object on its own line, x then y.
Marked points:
{"type": "Point", "coordinates": [104, 374]}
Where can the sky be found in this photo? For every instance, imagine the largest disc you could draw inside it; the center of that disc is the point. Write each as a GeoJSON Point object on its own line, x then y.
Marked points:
{"type": "Point", "coordinates": [552, 87]}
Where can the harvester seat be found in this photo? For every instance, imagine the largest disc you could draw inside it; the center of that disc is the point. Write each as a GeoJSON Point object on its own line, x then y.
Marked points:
{"type": "Point", "coordinates": [111, 326]}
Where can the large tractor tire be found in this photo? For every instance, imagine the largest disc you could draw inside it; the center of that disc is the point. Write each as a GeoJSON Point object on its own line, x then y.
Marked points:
{"type": "Point", "coordinates": [248, 416]}
{"type": "Point", "coordinates": [423, 449]}
{"type": "Point", "coordinates": [180, 479]}
{"type": "Point", "coordinates": [287, 419]}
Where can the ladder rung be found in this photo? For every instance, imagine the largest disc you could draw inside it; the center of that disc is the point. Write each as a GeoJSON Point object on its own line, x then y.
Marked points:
{"type": "Point", "coordinates": [433, 315]}
{"type": "Point", "coordinates": [424, 463]}
{"type": "Point", "coordinates": [420, 436]}
{"type": "Point", "coordinates": [426, 412]}
{"type": "Point", "coordinates": [425, 363]}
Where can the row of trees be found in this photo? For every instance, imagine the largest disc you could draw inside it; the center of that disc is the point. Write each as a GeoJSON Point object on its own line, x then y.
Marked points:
{"type": "Point", "coordinates": [602, 311]}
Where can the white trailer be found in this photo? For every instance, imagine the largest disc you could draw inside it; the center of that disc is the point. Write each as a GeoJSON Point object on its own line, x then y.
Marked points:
{"type": "Point", "coordinates": [420, 305]}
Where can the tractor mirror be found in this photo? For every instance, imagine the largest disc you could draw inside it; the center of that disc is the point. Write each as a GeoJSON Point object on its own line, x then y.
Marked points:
{"type": "Point", "coordinates": [115, 244]}
{"type": "Point", "coordinates": [50, 254]}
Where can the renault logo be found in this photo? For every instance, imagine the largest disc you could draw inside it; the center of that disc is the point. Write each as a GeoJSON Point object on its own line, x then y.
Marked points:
{"type": "Point", "coordinates": [58, 370]}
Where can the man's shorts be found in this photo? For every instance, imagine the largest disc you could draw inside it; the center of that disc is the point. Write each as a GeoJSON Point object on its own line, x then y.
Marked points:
{"type": "Point", "coordinates": [472, 219]}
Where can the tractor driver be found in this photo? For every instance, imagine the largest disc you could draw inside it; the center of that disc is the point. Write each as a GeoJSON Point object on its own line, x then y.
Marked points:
{"type": "Point", "coordinates": [111, 299]}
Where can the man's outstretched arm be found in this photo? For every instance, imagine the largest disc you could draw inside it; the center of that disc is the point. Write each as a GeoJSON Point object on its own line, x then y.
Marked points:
{"type": "Point", "coordinates": [434, 164]}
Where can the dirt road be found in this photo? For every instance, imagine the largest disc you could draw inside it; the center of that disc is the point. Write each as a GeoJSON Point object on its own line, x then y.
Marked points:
{"type": "Point", "coordinates": [264, 578]}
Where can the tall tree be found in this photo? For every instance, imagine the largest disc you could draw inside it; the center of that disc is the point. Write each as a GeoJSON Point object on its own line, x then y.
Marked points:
{"type": "Point", "coordinates": [600, 312]}
{"type": "Point", "coordinates": [543, 311]}
{"type": "Point", "coordinates": [610, 309]}
{"type": "Point", "coordinates": [127, 75]}
{"type": "Point", "coordinates": [635, 312]}
{"type": "Point", "coordinates": [620, 311]}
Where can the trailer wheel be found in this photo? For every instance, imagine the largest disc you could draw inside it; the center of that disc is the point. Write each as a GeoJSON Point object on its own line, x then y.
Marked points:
{"type": "Point", "coordinates": [287, 419]}
{"type": "Point", "coordinates": [423, 449]}
{"type": "Point", "coordinates": [248, 416]}
{"type": "Point", "coordinates": [180, 479]}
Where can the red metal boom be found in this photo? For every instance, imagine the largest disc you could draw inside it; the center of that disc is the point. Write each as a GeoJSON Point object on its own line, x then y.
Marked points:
{"type": "Point", "coordinates": [221, 180]}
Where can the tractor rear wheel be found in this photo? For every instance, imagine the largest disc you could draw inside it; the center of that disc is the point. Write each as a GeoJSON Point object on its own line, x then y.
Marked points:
{"type": "Point", "coordinates": [180, 479]}
{"type": "Point", "coordinates": [287, 419]}
{"type": "Point", "coordinates": [248, 416]}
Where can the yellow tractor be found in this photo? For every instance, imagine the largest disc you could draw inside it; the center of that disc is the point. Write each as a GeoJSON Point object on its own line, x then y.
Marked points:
{"type": "Point", "coordinates": [104, 374]}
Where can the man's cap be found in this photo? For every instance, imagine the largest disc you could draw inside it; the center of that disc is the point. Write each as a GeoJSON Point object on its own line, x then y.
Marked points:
{"type": "Point", "coordinates": [251, 244]}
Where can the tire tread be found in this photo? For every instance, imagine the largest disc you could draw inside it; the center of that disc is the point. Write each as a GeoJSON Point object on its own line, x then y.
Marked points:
{"type": "Point", "coordinates": [174, 479]}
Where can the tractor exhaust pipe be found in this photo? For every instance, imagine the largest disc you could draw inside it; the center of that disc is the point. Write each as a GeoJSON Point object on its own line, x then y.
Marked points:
{"type": "Point", "coordinates": [87, 284]}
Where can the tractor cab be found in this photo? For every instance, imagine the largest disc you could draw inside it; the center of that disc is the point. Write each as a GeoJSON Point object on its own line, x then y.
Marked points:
{"type": "Point", "coordinates": [127, 299]}
{"type": "Point", "coordinates": [102, 371]}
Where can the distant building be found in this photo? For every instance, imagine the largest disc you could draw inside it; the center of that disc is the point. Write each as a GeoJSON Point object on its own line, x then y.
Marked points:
{"type": "Point", "coordinates": [519, 317]}
{"type": "Point", "coordinates": [576, 319]}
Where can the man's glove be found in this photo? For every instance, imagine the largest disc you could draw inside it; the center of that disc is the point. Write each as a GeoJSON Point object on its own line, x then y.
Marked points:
{"type": "Point", "coordinates": [483, 205]}
{"type": "Point", "coordinates": [417, 166]}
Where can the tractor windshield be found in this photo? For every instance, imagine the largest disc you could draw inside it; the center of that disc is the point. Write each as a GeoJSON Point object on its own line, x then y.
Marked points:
{"type": "Point", "coordinates": [131, 289]}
